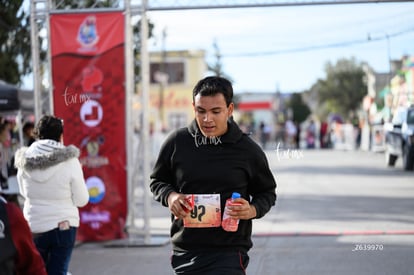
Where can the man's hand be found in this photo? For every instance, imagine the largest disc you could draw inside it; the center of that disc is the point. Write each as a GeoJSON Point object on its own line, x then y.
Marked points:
{"type": "Point", "coordinates": [178, 205]}
{"type": "Point", "coordinates": [244, 211]}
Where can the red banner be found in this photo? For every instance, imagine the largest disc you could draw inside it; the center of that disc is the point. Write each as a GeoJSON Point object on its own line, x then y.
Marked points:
{"type": "Point", "coordinates": [88, 75]}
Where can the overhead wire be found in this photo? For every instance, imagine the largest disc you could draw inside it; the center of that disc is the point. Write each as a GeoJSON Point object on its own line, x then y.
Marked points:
{"type": "Point", "coordinates": [347, 43]}
{"type": "Point", "coordinates": [317, 47]}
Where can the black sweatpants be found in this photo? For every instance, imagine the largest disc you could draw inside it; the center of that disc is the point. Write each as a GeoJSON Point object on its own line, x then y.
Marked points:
{"type": "Point", "coordinates": [210, 263]}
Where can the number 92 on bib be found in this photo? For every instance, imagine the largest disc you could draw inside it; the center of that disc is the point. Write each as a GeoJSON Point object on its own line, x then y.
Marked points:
{"type": "Point", "coordinates": [205, 213]}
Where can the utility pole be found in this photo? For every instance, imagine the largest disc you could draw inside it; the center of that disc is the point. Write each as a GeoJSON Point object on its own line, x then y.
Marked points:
{"type": "Point", "coordinates": [387, 37]}
{"type": "Point", "coordinates": [163, 75]}
{"type": "Point", "coordinates": [389, 59]}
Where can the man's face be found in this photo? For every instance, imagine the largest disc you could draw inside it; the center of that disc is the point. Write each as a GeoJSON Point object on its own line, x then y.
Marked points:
{"type": "Point", "coordinates": [211, 114]}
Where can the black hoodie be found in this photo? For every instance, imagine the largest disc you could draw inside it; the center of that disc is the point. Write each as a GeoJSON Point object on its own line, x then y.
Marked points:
{"type": "Point", "coordinates": [191, 163]}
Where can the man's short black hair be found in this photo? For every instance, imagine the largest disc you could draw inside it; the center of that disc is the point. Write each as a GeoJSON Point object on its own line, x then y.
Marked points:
{"type": "Point", "coordinates": [212, 85]}
{"type": "Point", "coordinates": [49, 127]}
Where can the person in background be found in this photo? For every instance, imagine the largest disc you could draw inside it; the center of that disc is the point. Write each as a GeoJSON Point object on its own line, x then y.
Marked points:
{"type": "Point", "coordinates": [7, 170]}
{"type": "Point", "coordinates": [205, 163]}
{"type": "Point", "coordinates": [311, 135]}
{"type": "Point", "coordinates": [297, 136]}
{"type": "Point", "coordinates": [51, 181]}
{"type": "Point", "coordinates": [290, 129]}
{"type": "Point", "coordinates": [28, 137]}
{"type": "Point", "coordinates": [4, 156]}
{"type": "Point", "coordinates": [18, 253]}
{"type": "Point", "coordinates": [11, 133]}
{"type": "Point", "coordinates": [323, 135]}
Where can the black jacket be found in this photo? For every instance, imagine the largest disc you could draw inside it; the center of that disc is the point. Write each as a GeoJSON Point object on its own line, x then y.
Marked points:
{"type": "Point", "coordinates": [190, 163]}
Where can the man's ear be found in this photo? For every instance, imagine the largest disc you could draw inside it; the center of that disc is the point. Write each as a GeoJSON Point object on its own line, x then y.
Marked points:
{"type": "Point", "coordinates": [230, 109]}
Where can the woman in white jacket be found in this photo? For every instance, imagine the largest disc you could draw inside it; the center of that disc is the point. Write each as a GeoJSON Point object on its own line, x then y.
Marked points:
{"type": "Point", "coordinates": [51, 180]}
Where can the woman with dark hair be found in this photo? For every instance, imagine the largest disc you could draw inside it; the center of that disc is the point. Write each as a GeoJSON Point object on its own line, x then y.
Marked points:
{"type": "Point", "coordinates": [51, 181]}
{"type": "Point", "coordinates": [28, 137]}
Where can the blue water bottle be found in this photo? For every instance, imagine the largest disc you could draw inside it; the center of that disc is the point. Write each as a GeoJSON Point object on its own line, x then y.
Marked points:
{"type": "Point", "coordinates": [228, 223]}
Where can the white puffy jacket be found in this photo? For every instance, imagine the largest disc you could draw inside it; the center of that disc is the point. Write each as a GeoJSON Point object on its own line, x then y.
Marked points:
{"type": "Point", "coordinates": [51, 180]}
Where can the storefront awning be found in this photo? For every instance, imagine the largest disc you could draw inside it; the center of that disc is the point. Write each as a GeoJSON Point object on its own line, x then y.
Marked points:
{"type": "Point", "coordinates": [250, 106]}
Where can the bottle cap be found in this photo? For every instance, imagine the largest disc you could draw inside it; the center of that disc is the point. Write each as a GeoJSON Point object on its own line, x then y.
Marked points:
{"type": "Point", "coordinates": [235, 195]}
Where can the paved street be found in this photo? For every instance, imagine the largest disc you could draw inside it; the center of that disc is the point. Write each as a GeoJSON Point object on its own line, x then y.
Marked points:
{"type": "Point", "coordinates": [338, 212]}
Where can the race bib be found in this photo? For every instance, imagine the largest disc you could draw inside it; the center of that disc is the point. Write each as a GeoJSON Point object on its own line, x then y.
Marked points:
{"type": "Point", "coordinates": [206, 211]}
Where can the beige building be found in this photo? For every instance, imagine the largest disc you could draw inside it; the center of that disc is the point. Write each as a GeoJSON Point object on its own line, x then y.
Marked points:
{"type": "Point", "coordinates": [173, 75]}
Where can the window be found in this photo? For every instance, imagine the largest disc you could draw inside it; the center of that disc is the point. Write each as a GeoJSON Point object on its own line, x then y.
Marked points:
{"type": "Point", "coordinates": [410, 117]}
{"type": "Point", "coordinates": [177, 120]}
{"type": "Point", "coordinates": [174, 71]}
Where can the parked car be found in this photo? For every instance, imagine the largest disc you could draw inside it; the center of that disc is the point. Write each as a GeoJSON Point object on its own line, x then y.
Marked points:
{"type": "Point", "coordinates": [399, 138]}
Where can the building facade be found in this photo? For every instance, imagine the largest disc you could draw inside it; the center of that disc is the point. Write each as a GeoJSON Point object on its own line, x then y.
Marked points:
{"type": "Point", "coordinates": [173, 75]}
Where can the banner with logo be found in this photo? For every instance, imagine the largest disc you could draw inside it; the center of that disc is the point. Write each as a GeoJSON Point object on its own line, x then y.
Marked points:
{"type": "Point", "coordinates": [88, 75]}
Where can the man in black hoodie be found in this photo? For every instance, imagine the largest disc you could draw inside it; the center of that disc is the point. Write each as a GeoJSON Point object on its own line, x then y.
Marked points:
{"type": "Point", "coordinates": [197, 170]}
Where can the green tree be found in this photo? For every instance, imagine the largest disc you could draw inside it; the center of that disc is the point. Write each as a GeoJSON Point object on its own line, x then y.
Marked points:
{"type": "Point", "coordinates": [14, 41]}
{"type": "Point", "coordinates": [344, 88]}
{"type": "Point", "coordinates": [299, 108]}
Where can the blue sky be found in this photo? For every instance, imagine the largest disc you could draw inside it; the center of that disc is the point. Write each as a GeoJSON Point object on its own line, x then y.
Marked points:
{"type": "Point", "coordinates": [268, 48]}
